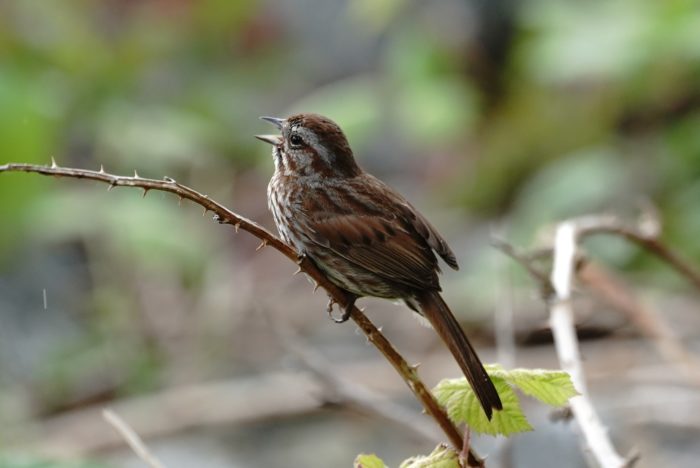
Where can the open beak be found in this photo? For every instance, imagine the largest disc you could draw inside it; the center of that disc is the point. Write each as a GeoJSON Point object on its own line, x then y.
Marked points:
{"type": "Point", "coordinates": [277, 122]}
{"type": "Point", "coordinates": [272, 139]}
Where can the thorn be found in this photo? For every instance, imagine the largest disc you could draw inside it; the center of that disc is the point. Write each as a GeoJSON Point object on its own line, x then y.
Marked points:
{"type": "Point", "coordinates": [53, 163]}
{"type": "Point", "coordinates": [112, 184]}
{"type": "Point", "coordinates": [145, 191]}
{"type": "Point", "coordinates": [179, 200]}
{"type": "Point", "coordinates": [169, 180]}
{"type": "Point", "coordinates": [316, 286]}
{"type": "Point", "coordinates": [380, 328]}
{"type": "Point", "coordinates": [205, 212]}
{"type": "Point", "coordinates": [236, 226]}
{"type": "Point", "coordinates": [262, 244]}
{"type": "Point", "coordinates": [297, 272]}
{"type": "Point", "coordinates": [102, 169]}
{"type": "Point", "coordinates": [136, 174]}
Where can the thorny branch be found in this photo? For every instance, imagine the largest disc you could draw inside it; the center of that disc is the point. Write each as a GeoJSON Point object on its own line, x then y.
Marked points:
{"type": "Point", "coordinates": [225, 216]}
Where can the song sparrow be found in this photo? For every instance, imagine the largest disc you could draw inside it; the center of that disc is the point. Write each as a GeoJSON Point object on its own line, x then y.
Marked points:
{"type": "Point", "coordinates": [362, 234]}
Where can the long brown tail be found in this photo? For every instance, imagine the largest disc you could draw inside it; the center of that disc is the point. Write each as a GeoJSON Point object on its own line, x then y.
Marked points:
{"type": "Point", "coordinates": [439, 315]}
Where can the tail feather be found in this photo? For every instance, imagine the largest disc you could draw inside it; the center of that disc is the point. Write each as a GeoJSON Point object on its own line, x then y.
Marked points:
{"type": "Point", "coordinates": [439, 315]}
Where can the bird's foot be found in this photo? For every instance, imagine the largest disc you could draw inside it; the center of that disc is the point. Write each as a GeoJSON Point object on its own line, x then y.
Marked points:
{"type": "Point", "coordinates": [347, 310]}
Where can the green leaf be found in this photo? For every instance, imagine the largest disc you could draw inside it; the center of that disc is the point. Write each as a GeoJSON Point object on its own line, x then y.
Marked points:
{"type": "Point", "coordinates": [441, 457]}
{"type": "Point", "coordinates": [457, 396]}
{"type": "Point", "coordinates": [552, 387]}
{"type": "Point", "coordinates": [364, 460]}
{"type": "Point", "coordinates": [549, 386]}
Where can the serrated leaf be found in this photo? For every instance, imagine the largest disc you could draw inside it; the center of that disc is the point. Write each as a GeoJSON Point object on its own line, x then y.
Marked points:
{"type": "Point", "coordinates": [441, 457]}
{"type": "Point", "coordinates": [549, 386]}
{"type": "Point", "coordinates": [365, 460]}
{"type": "Point", "coordinates": [457, 396]}
{"type": "Point", "coordinates": [552, 387]}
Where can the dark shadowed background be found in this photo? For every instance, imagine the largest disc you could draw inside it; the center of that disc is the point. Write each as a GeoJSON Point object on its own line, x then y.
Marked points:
{"type": "Point", "coordinates": [493, 117]}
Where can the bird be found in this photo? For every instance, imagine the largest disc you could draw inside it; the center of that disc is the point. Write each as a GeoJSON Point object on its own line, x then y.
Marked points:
{"type": "Point", "coordinates": [362, 234]}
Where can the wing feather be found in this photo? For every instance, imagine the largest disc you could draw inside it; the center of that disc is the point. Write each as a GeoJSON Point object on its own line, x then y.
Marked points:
{"type": "Point", "coordinates": [373, 227]}
{"type": "Point", "coordinates": [370, 242]}
{"type": "Point", "coordinates": [417, 221]}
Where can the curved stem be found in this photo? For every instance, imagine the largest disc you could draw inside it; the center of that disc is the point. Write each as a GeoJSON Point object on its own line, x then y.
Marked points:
{"type": "Point", "coordinates": [225, 216]}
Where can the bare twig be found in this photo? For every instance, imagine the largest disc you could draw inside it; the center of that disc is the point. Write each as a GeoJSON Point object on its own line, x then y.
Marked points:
{"type": "Point", "coordinates": [226, 216]}
{"type": "Point", "coordinates": [646, 235]}
{"type": "Point", "coordinates": [81, 432]}
{"type": "Point", "coordinates": [132, 438]}
{"type": "Point", "coordinates": [525, 261]}
{"type": "Point", "coordinates": [503, 317]}
{"type": "Point", "coordinates": [619, 295]}
{"type": "Point", "coordinates": [504, 327]}
{"type": "Point", "coordinates": [345, 390]}
{"type": "Point", "coordinates": [594, 433]}
{"type": "Point", "coordinates": [565, 268]}
{"type": "Point", "coordinates": [181, 408]}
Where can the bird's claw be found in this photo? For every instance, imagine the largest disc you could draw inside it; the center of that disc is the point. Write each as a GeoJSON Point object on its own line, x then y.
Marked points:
{"type": "Point", "coordinates": [346, 311]}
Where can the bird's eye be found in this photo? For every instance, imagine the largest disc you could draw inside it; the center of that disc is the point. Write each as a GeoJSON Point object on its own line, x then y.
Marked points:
{"type": "Point", "coordinates": [296, 140]}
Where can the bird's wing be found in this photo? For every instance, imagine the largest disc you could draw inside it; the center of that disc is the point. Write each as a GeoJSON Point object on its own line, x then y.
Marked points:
{"type": "Point", "coordinates": [378, 245]}
{"type": "Point", "coordinates": [431, 236]}
{"type": "Point", "coordinates": [414, 220]}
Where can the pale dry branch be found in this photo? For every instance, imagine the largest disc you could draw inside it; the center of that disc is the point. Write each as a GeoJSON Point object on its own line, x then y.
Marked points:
{"type": "Point", "coordinates": [503, 317]}
{"type": "Point", "coordinates": [131, 438]}
{"type": "Point", "coordinates": [181, 408]}
{"type": "Point", "coordinates": [558, 289]}
{"type": "Point", "coordinates": [504, 327]}
{"type": "Point", "coordinates": [81, 432]}
{"type": "Point", "coordinates": [594, 434]}
{"type": "Point", "coordinates": [226, 216]}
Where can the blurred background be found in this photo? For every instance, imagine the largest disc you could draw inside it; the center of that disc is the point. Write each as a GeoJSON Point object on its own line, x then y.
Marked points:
{"type": "Point", "coordinates": [494, 117]}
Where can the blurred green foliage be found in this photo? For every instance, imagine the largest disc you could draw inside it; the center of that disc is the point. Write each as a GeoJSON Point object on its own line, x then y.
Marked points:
{"type": "Point", "coordinates": [15, 461]}
{"type": "Point", "coordinates": [597, 106]}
